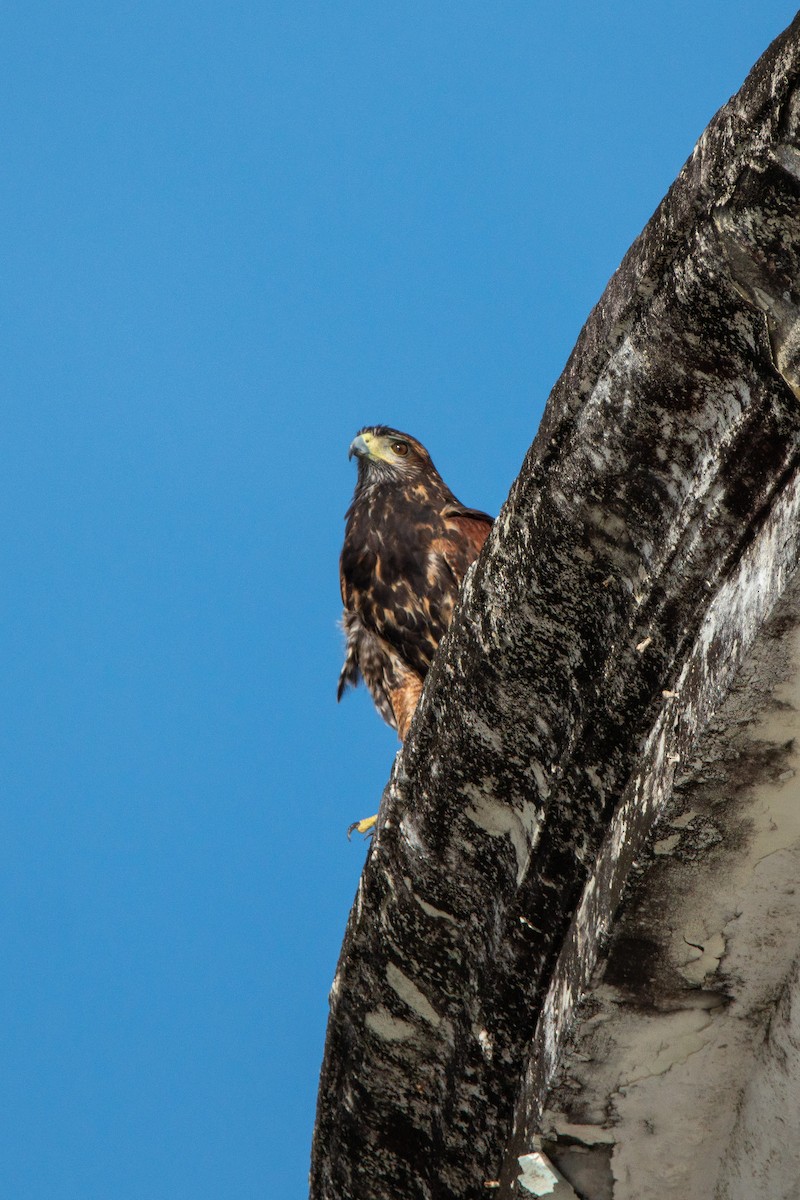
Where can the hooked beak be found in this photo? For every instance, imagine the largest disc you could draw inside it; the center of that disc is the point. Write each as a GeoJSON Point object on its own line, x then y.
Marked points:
{"type": "Point", "coordinates": [359, 447]}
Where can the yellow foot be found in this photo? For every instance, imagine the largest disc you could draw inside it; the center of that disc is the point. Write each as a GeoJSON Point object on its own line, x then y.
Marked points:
{"type": "Point", "coordinates": [365, 826]}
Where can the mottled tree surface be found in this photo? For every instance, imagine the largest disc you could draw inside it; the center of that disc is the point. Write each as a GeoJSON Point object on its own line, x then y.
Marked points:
{"type": "Point", "coordinates": [651, 530]}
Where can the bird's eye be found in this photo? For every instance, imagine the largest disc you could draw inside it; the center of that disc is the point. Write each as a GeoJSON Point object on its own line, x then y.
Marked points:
{"type": "Point", "coordinates": [400, 448]}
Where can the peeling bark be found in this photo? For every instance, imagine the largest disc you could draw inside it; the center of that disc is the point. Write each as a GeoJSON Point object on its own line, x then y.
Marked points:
{"type": "Point", "coordinates": [651, 530]}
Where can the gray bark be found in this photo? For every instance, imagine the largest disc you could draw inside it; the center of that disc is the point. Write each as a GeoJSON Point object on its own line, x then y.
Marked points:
{"type": "Point", "coordinates": [649, 534]}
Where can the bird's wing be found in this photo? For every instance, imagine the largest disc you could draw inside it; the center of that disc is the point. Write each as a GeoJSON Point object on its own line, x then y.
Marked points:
{"type": "Point", "coordinates": [474, 526]}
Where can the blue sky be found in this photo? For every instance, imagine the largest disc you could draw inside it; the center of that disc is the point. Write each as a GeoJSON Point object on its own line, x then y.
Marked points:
{"type": "Point", "coordinates": [231, 235]}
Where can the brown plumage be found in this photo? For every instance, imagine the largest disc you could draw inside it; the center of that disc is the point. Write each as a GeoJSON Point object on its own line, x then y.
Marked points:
{"type": "Point", "coordinates": [407, 546]}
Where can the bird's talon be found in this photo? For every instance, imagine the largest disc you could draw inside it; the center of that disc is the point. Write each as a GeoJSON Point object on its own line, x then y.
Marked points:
{"type": "Point", "coordinates": [365, 825]}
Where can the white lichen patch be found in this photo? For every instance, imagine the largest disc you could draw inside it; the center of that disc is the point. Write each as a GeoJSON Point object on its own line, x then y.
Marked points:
{"type": "Point", "coordinates": [540, 779]}
{"type": "Point", "coordinates": [430, 910]}
{"type": "Point", "coordinates": [667, 845]}
{"type": "Point", "coordinates": [500, 820]}
{"type": "Point", "coordinates": [388, 1027]}
{"type": "Point", "coordinates": [538, 1178]}
{"type": "Point", "coordinates": [410, 834]}
{"type": "Point", "coordinates": [485, 733]}
{"type": "Point", "coordinates": [685, 818]}
{"type": "Point", "coordinates": [411, 995]}
{"type": "Point", "coordinates": [484, 1039]}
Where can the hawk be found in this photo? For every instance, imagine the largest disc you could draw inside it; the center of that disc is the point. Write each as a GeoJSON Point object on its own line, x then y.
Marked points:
{"type": "Point", "coordinates": [407, 546]}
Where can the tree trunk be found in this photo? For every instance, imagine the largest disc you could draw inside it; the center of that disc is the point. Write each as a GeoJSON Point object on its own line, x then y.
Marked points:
{"type": "Point", "coordinates": [653, 527]}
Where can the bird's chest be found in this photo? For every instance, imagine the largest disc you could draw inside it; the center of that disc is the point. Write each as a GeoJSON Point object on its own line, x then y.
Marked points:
{"type": "Point", "coordinates": [390, 545]}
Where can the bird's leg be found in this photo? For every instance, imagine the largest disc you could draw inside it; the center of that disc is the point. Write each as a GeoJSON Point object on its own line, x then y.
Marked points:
{"type": "Point", "coordinates": [404, 702]}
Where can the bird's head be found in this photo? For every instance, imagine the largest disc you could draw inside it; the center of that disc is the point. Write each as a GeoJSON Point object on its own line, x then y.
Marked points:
{"type": "Point", "coordinates": [387, 454]}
